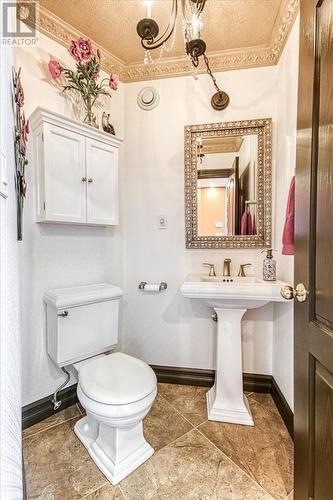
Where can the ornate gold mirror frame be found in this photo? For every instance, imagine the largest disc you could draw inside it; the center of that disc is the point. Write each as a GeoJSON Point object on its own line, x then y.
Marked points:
{"type": "Point", "coordinates": [263, 129]}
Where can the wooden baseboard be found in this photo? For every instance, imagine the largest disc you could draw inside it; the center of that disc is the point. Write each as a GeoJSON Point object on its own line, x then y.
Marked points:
{"type": "Point", "coordinates": [252, 382]}
{"type": "Point", "coordinates": [191, 376]}
{"type": "Point", "coordinates": [184, 376]}
{"type": "Point", "coordinates": [43, 408]}
{"type": "Point", "coordinates": [283, 407]}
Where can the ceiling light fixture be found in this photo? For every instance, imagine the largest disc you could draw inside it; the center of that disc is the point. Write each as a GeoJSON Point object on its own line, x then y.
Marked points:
{"type": "Point", "coordinates": [195, 47]}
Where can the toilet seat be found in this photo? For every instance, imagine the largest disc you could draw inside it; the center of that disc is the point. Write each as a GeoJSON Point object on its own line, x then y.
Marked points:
{"type": "Point", "coordinates": [116, 379]}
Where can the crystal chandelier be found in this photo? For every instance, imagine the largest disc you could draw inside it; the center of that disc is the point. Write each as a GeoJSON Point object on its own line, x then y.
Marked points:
{"type": "Point", "coordinates": [195, 47]}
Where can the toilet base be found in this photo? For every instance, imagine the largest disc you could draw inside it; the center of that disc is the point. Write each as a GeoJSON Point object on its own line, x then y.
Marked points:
{"type": "Point", "coordinates": [116, 451]}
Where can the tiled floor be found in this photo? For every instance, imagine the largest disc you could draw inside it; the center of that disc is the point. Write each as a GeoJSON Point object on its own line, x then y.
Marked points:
{"type": "Point", "coordinates": [194, 458]}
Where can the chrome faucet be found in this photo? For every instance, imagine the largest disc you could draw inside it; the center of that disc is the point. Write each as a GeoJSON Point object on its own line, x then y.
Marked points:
{"type": "Point", "coordinates": [226, 267]}
{"type": "Point", "coordinates": [241, 271]}
{"type": "Point", "coordinates": [211, 269]}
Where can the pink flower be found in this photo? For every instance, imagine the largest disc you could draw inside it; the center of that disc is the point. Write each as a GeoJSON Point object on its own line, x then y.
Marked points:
{"type": "Point", "coordinates": [75, 51]}
{"type": "Point", "coordinates": [81, 49]}
{"type": "Point", "coordinates": [19, 94]}
{"type": "Point", "coordinates": [114, 81]}
{"type": "Point", "coordinates": [54, 69]}
{"type": "Point", "coordinates": [85, 48]}
{"type": "Point", "coordinates": [24, 135]}
{"type": "Point", "coordinates": [26, 131]}
{"type": "Point", "coordinates": [94, 76]}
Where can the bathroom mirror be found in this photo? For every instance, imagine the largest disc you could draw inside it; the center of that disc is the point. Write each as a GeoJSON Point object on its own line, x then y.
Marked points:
{"type": "Point", "coordinates": [228, 185]}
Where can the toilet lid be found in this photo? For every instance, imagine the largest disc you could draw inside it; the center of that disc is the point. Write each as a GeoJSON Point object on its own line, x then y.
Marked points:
{"type": "Point", "coordinates": [117, 379]}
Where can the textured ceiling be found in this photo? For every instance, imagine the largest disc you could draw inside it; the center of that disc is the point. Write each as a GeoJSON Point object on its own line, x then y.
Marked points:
{"type": "Point", "coordinates": [238, 33]}
{"type": "Point", "coordinates": [228, 24]}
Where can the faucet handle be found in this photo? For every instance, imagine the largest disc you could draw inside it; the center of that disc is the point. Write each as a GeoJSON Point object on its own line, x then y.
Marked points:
{"type": "Point", "coordinates": [241, 271]}
{"type": "Point", "coordinates": [211, 268]}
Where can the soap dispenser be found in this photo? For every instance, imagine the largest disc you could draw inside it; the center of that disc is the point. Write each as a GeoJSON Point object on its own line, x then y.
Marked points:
{"type": "Point", "coordinates": [269, 266]}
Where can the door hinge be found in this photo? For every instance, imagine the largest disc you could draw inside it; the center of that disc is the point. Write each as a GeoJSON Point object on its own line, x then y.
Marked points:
{"type": "Point", "coordinates": [42, 137]}
{"type": "Point", "coordinates": [44, 206]}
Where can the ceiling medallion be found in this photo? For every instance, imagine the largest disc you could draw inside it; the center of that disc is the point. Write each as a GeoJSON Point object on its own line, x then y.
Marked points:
{"type": "Point", "coordinates": [195, 47]}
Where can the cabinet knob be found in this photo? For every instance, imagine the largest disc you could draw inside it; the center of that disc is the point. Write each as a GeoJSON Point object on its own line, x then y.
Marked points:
{"type": "Point", "coordinates": [84, 179]}
{"type": "Point", "coordinates": [90, 180]}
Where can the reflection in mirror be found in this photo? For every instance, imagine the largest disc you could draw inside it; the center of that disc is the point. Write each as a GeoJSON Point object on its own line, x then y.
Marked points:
{"type": "Point", "coordinates": [226, 185]}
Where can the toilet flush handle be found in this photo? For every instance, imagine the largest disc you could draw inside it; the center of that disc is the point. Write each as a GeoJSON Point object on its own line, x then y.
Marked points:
{"type": "Point", "coordinates": [63, 314]}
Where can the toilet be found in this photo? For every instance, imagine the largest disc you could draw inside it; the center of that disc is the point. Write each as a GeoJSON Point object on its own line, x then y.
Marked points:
{"type": "Point", "coordinates": [115, 389]}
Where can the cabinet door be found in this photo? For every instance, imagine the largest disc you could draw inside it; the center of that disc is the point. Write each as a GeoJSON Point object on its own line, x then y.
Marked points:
{"type": "Point", "coordinates": [102, 183]}
{"type": "Point", "coordinates": [65, 186]}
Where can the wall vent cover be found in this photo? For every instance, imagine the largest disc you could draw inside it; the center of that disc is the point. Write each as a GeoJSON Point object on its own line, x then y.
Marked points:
{"type": "Point", "coordinates": [148, 98]}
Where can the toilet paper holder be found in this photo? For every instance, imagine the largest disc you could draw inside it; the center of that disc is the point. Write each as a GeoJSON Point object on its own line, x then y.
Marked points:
{"type": "Point", "coordinates": [163, 285]}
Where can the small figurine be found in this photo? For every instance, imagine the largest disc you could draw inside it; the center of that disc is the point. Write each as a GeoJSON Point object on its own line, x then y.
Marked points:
{"type": "Point", "coordinates": [106, 125]}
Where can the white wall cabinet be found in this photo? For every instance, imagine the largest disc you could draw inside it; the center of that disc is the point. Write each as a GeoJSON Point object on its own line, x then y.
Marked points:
{"type": "Point", "coordinates": [76, 171]}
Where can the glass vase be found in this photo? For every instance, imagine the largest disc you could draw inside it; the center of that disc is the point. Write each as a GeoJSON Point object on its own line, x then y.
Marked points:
{"type": "Point", "coordinates": [90, 117]}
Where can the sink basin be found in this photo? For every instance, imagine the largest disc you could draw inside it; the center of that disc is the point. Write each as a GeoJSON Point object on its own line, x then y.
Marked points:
{"type": "Point", "coordinates": [230, 297]}
{"type": "Point", "coordinates": [232, 292]}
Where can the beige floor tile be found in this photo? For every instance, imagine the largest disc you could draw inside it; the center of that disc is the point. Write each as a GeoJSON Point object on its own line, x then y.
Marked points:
{"type": "Point", "coordinates": [82, 410]}
{"type": "Point", "coordinates": [264, 451]}
{"type": "Point", "coordinates": [164, 424]}
{"type": "Point", "coordinates": [189, 400]}
{"type": "Point", "coordinates": [56, 419]}
{"type": "Point", "coordinates": [58, 467]}
{"type": "Point", "coordinates": [266, 400]}
{"type": "Point", "coordinates": [190, 468]}
{"type": "Point", "coordinates": [107, 492]}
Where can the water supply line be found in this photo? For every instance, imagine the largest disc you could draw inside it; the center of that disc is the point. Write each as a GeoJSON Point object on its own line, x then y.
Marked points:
{"type": "Point", "coordinates": [55, 402]}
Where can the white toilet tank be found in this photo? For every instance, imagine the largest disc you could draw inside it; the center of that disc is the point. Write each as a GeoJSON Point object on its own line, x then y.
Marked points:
{"type": "Point", "coordinates": [81, 321]}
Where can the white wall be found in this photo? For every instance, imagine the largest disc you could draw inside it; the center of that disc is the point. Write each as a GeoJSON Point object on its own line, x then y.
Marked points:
{"type": "Point", "coordinates": [10, 365]}
{"type": "Point", "coordinates": [283, 348]}
{"type": "Point", "coordinates": [56, 255]}
{"type": "Point", "coordinates": [167, 329]}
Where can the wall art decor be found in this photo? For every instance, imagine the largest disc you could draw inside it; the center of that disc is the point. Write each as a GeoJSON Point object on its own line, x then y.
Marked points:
{"type": "Point", "coordinates": [21, 139]}
{"type": "Point", "coordinates": [84, 80]}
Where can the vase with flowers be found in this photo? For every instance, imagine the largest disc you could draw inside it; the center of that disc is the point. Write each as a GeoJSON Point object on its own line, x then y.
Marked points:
{"type": "Point", "coordinates": [84, 80]}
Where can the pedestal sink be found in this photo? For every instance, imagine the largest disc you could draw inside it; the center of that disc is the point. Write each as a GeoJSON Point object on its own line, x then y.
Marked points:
{"type": "Point", "coordinates": [230, 297]}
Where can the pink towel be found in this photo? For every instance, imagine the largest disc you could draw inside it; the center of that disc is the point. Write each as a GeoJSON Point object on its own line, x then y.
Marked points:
{"type": "Point", "coordinates": [246, 223]}
{"type": "Point", "coordinates": [254, 228]}
{"type": "Point", "coordinates": [288, 247]}
{"type": "Point", "coordinates": [249, 223]}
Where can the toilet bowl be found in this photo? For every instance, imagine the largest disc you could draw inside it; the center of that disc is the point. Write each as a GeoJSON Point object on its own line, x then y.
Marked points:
{"type": "Point", "coordinates": [117, 391]}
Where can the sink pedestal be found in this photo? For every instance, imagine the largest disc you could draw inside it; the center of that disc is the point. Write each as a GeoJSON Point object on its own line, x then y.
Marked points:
{"type": "Point", "coordinates": [225, 400]}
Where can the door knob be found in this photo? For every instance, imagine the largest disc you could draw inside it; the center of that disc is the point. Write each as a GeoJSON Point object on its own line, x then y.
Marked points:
{"type": "Point", "coordinates": [300, 292]}
{"type": "Point", "coordinates": [90, 180]}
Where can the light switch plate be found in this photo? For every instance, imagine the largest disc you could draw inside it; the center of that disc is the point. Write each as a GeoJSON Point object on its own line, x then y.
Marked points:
{"type": "Point", "coordinates": [162, 222]}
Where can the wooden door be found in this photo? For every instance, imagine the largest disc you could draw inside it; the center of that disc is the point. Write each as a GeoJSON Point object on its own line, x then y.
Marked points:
{"type": "Point", "coordinates": [65, 186]}
{"type": "Point", "coordinates": [102, 183]}
{"type": "Point", "coordinates": [314, 256]}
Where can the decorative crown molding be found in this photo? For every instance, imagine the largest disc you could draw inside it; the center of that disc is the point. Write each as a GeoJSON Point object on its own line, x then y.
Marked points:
{"type": "Point", "coordinates": [54, 27]}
